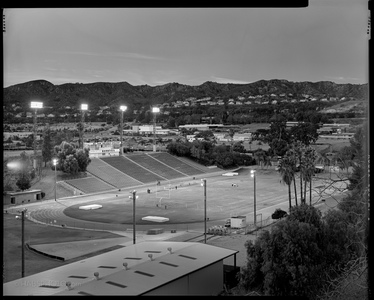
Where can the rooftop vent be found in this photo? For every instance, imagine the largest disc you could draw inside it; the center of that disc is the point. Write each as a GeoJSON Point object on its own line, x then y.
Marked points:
{"type": "Point", "coordinates": [144, 273]}
{"type": "Point", "coordinates": [96, 274]}
{"type": "Point", "coordinates": [116, 284]}
{"type": "Point", "coordinates": [68, 284]}
{"type": "Point", "coordinates": [49, 286]}
{"type": "Point", "coordinates": [186, 256]}
{"type": "Point", "coordinates": [168, 264]}
{"type": "Point", "coordinates": [107, 267]}
{"type": "Point", "coordinates": [77, 276]}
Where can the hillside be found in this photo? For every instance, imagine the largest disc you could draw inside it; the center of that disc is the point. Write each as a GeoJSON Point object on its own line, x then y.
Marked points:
{"type": "Point", "coordinates": [112, 94]}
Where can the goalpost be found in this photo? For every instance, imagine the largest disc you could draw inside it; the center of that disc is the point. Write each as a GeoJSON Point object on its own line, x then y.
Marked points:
{"type": "Point", "coordinates": [162, 192]}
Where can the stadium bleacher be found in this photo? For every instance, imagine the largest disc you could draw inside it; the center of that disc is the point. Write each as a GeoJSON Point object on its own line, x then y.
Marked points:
{"type": "Point", "coordinates": [111, 175]}
{"type": "Point", "coordinates": [90, 185]}
{"type": "Point", "coordinates": [156, 166]}
{"type": "Point", "coordinates": [176, 163]}
{"type": "Point", "coordinates": [132, 169]}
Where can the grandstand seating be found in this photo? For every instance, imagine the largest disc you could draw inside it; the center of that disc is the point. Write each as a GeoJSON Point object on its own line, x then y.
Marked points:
{"type": "Point", "coordinates": [156, 166]}
{"type": "Point", "coordinates": [132, 169]}
{"type": "Point", "coordinates": [176, 163]}
{"type": "Point", "coordinates": [111, 175]}
{"type": "Point", "coordinates": [90, 185]}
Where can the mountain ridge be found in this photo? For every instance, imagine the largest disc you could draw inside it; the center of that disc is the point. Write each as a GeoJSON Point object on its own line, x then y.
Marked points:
{"type": "Point", "coordinates": [114, 93]}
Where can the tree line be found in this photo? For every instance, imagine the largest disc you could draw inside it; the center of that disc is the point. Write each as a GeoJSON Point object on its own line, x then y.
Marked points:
{"type": "Point", "coordinates": [309, 254]}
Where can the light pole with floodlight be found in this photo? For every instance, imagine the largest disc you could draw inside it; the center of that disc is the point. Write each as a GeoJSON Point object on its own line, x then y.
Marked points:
{"type": "Point", "coordinates": [35, 105]}
{"type": "Point", "coordinates": [203, 183]}
{"type": "Point", "coordinates": [84, 107]}
{"type": "Point", "coordinates": [122, 108]}
{"type": "Point", "coordinates": [155, 110]}
{"type": "Point", "coordinates": [253, 175]}
{"type": "Point", "coordinates": [55, 164]}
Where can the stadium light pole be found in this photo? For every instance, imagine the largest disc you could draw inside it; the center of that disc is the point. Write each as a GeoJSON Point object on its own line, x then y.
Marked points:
{"type": "Point", "coordinates": [122, 108]}
{"type": "Point", "coordinates": [253, 175]}
{"type": "Point", "coordinates": [155, 110]}
{"type": "Point", "coordinates": [84, 107]}
{"type": "Point", "coordinates": [35, 105]}
{"type": "Point", "coordinates": [23, 212]}
{"type": "Point", "coordinates": [55, 164]}
{"type": "Point", "coordinates": [133, 215]}
{"type": "Point", "coordinates": [203, 183]}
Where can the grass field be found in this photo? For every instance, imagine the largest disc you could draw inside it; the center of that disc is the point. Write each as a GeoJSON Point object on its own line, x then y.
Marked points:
{"type": "Point", "coordinates": [225, 197]}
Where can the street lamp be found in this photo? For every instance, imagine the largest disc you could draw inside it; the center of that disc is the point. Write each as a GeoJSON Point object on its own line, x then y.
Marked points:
{"type": "Point", "coordinates": [133, 197]}
{"type": "Point", "coordinates": [84, 107]}
{"type": "Point", "coordinates": [203, 183]}
{"type": "Point", "coordinates": [155, 110]}
{"type": "Point", "coordinates": [55, 164]}
{"type": "Point", "coordinates": [35, 105]}
{"type": "Point", "coordinates": [253, 175]}
{"type": "Point", "coordinates": [23, 212]}
{"type": "Point", "coordinates": [122, 108]}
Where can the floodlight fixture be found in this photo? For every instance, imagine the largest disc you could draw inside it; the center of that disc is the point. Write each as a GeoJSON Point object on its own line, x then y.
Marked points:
{"type": "Point", "coordinates": [123, 107]}
{"type": "Point", "coordinates": [155, 109]}
{"type": "Point", "coordinates": [84, 106]}
{"type": "Point", "coordinates": [36, 104]}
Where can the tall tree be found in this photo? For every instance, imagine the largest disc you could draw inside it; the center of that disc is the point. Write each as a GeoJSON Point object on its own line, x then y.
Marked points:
{"type": "Point", "coordinates": [23, 182]}
{"type": "Point", "coordinates": [47, 147]}
{"type": "Point", "coordinates": [307, 170]}
{"type": "Point", "coordinates": [70, 159]}
{"type": "Point", "coordinates": [80, 128]}
{"type": "Point", "coordinates": [305, 132]}
{"type": "Point", "coordinates": [286, 170]}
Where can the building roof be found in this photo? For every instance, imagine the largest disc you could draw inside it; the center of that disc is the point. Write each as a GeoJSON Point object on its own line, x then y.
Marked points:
{"type": "Point", "coordinates": [23, 192]}
{"type": "Point", "coordinates": [141, 275]}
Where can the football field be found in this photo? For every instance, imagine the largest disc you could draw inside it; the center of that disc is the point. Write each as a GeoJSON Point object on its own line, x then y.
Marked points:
{"type": "Point", "coordinates": [184, 201]}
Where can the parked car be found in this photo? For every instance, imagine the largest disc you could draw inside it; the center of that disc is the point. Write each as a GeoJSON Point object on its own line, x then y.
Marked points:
{"type": "Point", "coordinates": [228, 223]}
{"type": "Point", "coordinates": [279, 214]}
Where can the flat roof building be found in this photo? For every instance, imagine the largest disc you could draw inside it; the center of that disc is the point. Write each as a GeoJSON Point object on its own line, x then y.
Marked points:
{"type": "Point", "coordinates": [22, 197]}
{"type": "Point", "coordinates": [147, 268]}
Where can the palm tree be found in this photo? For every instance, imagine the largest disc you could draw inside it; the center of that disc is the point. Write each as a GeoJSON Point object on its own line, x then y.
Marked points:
{"type": "Point", "coordinates": [259, 156]}
{"type": "Point", "coordinates": [286, 170]}
{"type": "Point", "coordinates": [308, 170]}
{"type": "Point", "coordinates": [299, 153]}
{"type": "Point", "coordinates": [321, 158]}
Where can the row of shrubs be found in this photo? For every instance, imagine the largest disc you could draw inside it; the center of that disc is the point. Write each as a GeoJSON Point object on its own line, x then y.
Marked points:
{"type": "Point", "coordinates": [218, 230]}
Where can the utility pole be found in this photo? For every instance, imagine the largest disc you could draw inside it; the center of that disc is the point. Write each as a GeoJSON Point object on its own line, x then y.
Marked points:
{"type": "Point", "coordinates": [122, 108]}
{"type": "Point", "coordinates": [204, 185]}
{"type": "Point", "coordinates": [253, 174]}
{"type": "Point", "coordinates": [133, 216]}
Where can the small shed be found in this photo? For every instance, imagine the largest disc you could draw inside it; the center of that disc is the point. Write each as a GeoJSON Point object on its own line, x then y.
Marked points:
{"type": "Point", "coordinates": [22, 197]}
{"type": "Point", "coordinates": [238, 221]}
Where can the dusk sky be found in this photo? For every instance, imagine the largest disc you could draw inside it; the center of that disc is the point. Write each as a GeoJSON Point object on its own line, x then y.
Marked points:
{"type": "Point", "coordinates": [327, 41]}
